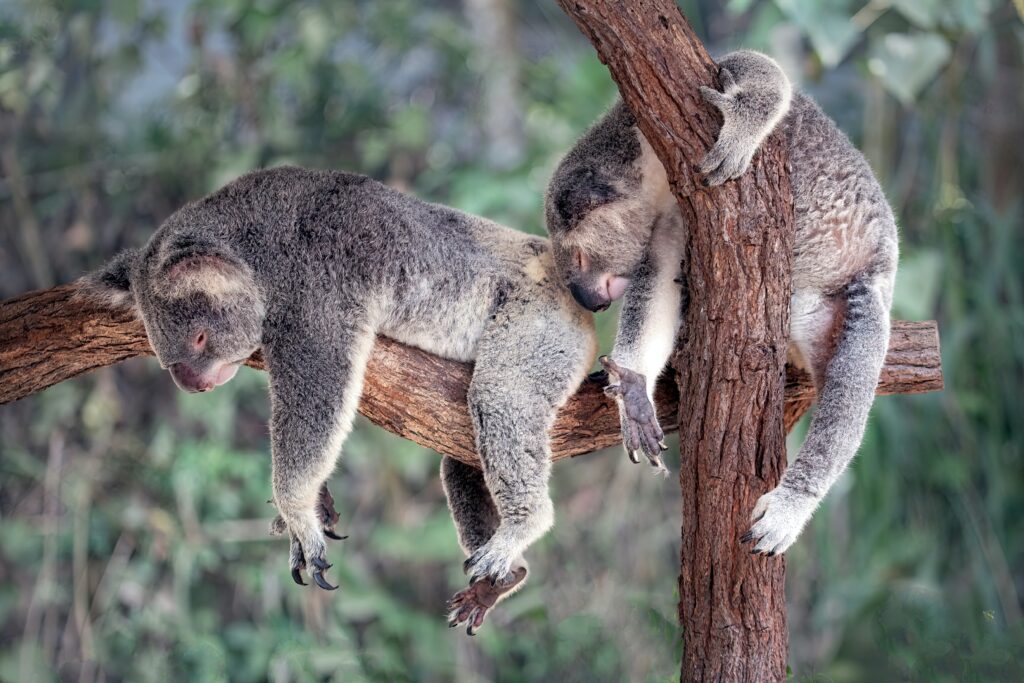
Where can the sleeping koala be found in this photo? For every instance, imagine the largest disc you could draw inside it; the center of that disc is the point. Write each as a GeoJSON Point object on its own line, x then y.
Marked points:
{"type": "Point", "coordinates": [310, 266]}
{"type": "Point", "coordinates": [617, 232]}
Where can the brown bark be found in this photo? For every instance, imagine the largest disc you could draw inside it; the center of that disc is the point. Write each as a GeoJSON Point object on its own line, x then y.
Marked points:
{"type": "Point", "coordinates": [730, 364]}
{"type": "Point", "coordinates": [48, 336]}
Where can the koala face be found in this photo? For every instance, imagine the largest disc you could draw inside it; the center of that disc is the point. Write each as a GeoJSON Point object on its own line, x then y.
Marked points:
{"type": "Point", "coordinates": [201, 307]}
{"type": "Point", "coordinates": [598, 234]}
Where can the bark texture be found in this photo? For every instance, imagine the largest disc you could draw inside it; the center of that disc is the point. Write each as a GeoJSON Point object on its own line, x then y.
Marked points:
{"type": "Point", "coordinates": [731, 360]}
{"type": "Point", "coordinates": [49, 336]}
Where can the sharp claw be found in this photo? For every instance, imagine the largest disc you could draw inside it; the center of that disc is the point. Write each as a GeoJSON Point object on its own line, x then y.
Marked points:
{"type": "Point", "coordinates": [747, 537]}
{"type": "Point", "coordinates": [633, 457]}
{"type": "Point", "coordinates": [332, 535]}
{"type": "Point", "coordinates": [770, 553]}
{"type": "Point", "coordinates": [297, 577]}
{"type": "Point", "coordinates": [322, 582]}
{"type": "Point", "coordinates": [662, 445]}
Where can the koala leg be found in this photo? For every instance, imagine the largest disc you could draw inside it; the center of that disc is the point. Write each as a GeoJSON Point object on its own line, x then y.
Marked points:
{"type": "Point", "coordinates": [476, 519]}
{"type": "Point", "coordinates": [529, 360]}
{"type": "Point", "coordinates": [846, 378]}
{"type": "Point", "coordinates": [316, 377]}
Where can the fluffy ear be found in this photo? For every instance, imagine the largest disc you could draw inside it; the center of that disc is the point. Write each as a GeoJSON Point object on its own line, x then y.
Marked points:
{"type": "Point", "coordinates": [111, 285]}
{"type": "Point", "coordinates": [582, 191]}
{"type": "Point", "coordinates": [199, 266]}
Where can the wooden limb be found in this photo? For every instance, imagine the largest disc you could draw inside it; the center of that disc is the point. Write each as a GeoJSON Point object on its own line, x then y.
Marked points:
{"type": "Point", "coordinates": [49, 336]}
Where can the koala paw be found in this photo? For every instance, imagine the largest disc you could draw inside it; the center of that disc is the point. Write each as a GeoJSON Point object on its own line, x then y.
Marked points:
{"type": "Point", "coordinates": [306, 532]}
{"type": "Point", "coordinates": [641, 432]}
{"type": "Point", "coordinates": [493, 560]}
{"type": "Point", "coordinates": [315, 558]}
{"type": "Point", "coordinates": [325, 512]}
{"type": "Point", "coordinates": [777, 520]}
{"type": "Point", "coordinates": [731, 154]}
{"type": "Point", "coordinates": [472, 604]}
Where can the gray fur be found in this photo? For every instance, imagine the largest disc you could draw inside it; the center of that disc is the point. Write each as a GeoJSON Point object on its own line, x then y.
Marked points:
{"type": "Point", "coordinates": [844, 266]}
{"type": "Point", "coordinates": [310, 266]}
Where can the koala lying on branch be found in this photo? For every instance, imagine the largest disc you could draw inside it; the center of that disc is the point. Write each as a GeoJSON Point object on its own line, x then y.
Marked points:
{"type": "Point", "coordinates": [310, 266]}
{"type": "Point", "coordinates": [617, 231]}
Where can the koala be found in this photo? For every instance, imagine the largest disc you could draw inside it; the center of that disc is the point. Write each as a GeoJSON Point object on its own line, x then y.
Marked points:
{"type": "Point", "coordinates": [309, 266]}
{"type": "Point", "coordinates": [616, 231]}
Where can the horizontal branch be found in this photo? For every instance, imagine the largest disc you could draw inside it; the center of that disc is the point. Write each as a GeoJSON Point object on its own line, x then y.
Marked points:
{"type": "Point", "coordinates": [48, 336]}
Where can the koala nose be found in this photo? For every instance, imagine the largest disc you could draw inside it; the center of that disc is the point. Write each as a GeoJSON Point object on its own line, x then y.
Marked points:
{"type": "Point", "coordinates": [588, 298]}
{"type": "Point", "coordinates": [188, 379]}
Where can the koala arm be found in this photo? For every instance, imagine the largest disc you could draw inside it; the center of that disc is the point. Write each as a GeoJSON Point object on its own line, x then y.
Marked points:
{"type": "Point", "coordinates": [648, 326]}
{"type": "Point", "coordinates": [649, 321]}
{"type": "Point", "coordinates": [755, 96]}
{"type": "Point", "coordinates": [316, 365]}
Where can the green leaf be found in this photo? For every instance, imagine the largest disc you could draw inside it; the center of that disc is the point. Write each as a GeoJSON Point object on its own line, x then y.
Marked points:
{"type": "Point", "coordinates": [921, 13]}
{"type": "Point", "coordinates": [906, 62]}
{"type": "Point", "coordinates": [827, 25]}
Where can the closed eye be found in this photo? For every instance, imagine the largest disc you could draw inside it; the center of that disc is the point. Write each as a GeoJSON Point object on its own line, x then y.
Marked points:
{"type": "Point", "coordinates": [199, 341]}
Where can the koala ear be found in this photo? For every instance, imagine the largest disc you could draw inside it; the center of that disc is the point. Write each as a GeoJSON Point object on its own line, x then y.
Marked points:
{"type": "Point", "coordinates": [582, 192]}
{"type": "Point", "coordinates": [200, 266]}
{"type": "Point", "coordinates": [111, 285]}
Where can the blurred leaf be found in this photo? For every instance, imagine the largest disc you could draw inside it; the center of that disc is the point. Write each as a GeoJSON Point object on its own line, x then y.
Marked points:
{"type": "Point", "coordinates": [826, 23]}
{"type": "Point", "coordinates": [906, 62]}
{"type": "Point", "coordinates": [918, 280]}
{"type": "Point", "coordinates": [922, 13]}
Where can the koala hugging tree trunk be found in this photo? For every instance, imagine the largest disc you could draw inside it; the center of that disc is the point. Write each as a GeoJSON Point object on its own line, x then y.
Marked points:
{"type": "Point", "coordinates": [730, 362]}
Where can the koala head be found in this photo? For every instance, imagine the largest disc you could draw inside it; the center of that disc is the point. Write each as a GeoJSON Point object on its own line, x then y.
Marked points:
{"type": "Point", "coordinates": [200, 304]}
{"type": "Point", "coordinates": [599, 228]}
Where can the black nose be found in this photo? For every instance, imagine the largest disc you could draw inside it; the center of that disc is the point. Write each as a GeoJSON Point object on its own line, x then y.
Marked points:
{"type": "Point", "coordinates": [588, 298]}
{"type": "Point", "coordinates": [188, 379]}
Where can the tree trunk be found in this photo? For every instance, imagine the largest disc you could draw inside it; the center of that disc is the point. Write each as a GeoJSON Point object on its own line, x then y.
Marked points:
{"type": "Point", "coordinates": [731, 362]}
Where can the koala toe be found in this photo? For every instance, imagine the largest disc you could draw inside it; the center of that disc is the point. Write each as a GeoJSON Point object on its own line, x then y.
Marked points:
{"type": "Point", "coordinates": [777, 520]}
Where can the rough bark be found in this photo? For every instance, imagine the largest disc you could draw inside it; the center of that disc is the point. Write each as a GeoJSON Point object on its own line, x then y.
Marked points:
{"type": "Point", "coordinates": [49, 336]}
{"type": "Point", "coordinates": [731, 360]}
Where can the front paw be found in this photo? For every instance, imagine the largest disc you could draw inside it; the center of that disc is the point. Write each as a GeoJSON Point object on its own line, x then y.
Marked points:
{"type": "Point", "coordinates": [307, 546]}
{"type": "Point", "coordinates": [641, 432]}
{"type": "Point", "coordinates": [733, 151]}
{"type": "Point", "coordinates": [777, 520]}
{"type": "Point", "coordinates": [492, 561]}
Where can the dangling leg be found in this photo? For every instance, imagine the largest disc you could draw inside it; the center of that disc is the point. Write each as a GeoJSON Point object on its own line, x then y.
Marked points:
{"type": "Point", "coordinates": [475, 518]}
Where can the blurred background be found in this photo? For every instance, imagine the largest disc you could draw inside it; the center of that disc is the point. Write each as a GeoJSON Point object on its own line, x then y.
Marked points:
{"type": "Point", "coordinates": [133, 517]}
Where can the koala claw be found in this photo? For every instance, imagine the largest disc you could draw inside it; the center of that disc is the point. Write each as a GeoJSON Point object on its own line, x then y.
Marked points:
{"type": "Point", "coordinates": [297, 577]}
{"type": "Point", "coordinates": [777, 520]}
{"type": "Point", "coordinates": [318, 563]}
{"type": "Point", "coordinates": [320, 566]}
{"type": "Point", "coordinates": [472, 604]}
{"type": "Point", "coordinates": [641, 432]}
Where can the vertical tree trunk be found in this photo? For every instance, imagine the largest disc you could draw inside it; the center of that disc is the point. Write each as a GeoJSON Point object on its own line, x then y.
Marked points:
{"type": "Point", "coordinates": [731, 361]}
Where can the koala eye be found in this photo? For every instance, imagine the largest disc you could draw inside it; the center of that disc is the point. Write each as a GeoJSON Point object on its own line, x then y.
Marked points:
{"type": "Point", "coordinates": [199, 341]}
{"type": "Point", "coordinates": [582, 262]}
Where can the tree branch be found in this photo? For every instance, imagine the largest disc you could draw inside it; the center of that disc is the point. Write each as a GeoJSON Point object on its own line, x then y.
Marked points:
{"type": "Point", "coordinates": [48, 336]}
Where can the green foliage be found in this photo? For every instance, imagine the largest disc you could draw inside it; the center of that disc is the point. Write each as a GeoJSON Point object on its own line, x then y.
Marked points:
{"type": "Point", "coordinates": [133, 521]}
